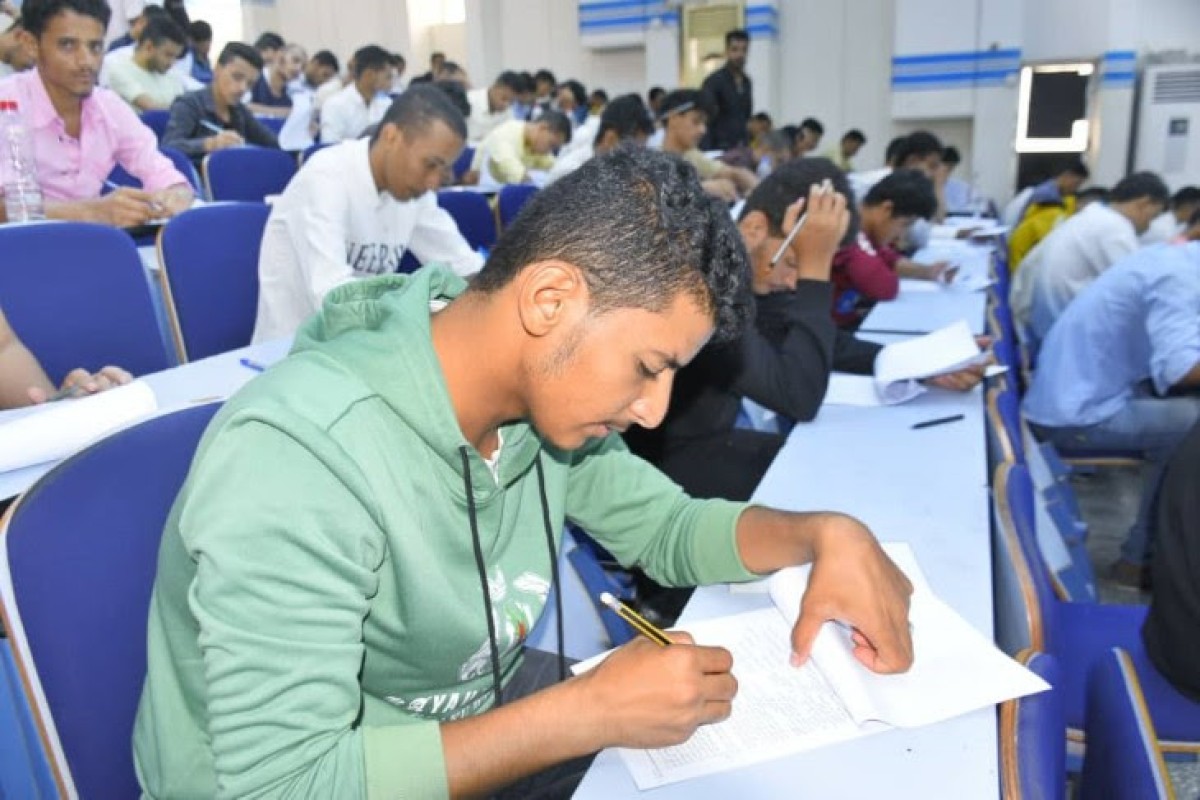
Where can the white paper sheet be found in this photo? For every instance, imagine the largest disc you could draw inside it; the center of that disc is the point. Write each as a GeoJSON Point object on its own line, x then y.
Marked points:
{"type": "Point", "coordinates": [295, 133]}
{"type": "Point", "coordinates": [852, 390]}
{"type": "Point", "coordinates": [56, 430]}
{"type": "Point", "coordinates": [901, 366]}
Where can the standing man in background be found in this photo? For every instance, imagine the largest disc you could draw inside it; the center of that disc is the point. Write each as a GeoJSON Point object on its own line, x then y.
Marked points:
{"type": "Point", "coordinates": [732, 95]}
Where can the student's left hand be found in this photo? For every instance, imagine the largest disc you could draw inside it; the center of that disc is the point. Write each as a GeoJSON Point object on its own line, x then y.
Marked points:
{"type": "Point", "coordinates": [854, 582]}
{"type": "Point", "coordinates": [81, 383]}
{"type": "Point", "coordinates": [966, 379]}
{"type": "Point", "coordinates": [941, 271]}
{"type": "Point", "coordinates": [174, 200]}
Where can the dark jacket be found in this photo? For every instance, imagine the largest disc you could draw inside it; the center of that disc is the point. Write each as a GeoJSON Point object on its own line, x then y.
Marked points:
{"type": "Point", "coordinates": [734, 105]}
{"type": "Point", "coordinates": [193, 113]}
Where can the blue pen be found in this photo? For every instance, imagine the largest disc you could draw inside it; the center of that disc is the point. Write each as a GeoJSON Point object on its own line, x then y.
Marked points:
{"type": "Point", "coordinates": [254, 365]}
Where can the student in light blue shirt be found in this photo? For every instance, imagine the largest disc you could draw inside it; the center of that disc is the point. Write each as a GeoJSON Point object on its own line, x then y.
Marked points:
{"type": "Point", "coordinates": [1115, 368]}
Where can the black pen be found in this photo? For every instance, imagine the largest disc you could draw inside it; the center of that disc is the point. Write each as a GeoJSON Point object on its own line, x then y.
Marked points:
{"type": "Point", "coordinates": [929, 423]}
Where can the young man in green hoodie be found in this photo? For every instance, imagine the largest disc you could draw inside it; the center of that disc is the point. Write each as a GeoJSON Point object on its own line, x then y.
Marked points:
{"type": "Point", "coordinates": [369, 530]}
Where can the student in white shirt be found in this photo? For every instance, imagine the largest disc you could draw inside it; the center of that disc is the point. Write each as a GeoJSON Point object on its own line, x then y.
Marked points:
{"type": "Point", "coordinates": [1171, 224]}
{"type": "Point", "coordinates": [146, 81]}
{"type": "Point", "coordinates": [354, 209]}
{"type": "Point", "coordinates": [491, 105]}
{"type": "Point", "coordinates": [14, 56]}
{"type": "Point", "coordinates": [1080, 249]}
{"type": "Point", "coordinates": [361, 103]}
{"type": "Point", "coordinates": [624, 120]}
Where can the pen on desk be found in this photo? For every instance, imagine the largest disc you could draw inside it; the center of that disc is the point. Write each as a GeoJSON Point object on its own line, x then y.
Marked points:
{"type": "Point", "coordinates": [826, 188]}
{"type": "Point", "coordinates": [929, 423]}
{"type": "Point", "coordinates": [254, 365]}
{"type": "Point", "coordinates": [636, 621]}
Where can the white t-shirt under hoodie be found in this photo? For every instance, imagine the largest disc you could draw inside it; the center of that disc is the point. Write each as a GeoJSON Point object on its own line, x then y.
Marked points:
{"type": "Point", "coordinates": [332, 225]}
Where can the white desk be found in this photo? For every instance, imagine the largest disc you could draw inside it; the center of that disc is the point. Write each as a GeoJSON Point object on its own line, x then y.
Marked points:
{"type": "Point", "coordinates": [925, 307]}
{"type": "Point", "coordinates": [926, 487]}
{"type": "Point", "coordinates": [215, 377]}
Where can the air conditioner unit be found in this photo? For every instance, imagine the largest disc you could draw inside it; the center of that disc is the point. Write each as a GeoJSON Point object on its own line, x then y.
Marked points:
{"type": "Point", "coordinates": [1168, 129]}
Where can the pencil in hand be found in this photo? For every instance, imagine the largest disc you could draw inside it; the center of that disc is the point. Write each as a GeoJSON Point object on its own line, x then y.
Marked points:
{"type": "Point", "coordinates": [636, 621]}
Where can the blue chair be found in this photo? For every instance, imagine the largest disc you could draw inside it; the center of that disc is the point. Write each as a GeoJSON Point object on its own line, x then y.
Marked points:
{"type": "Point", "coordinates": [463, 163]}
{"type": "Point", "coordinates": [119, 177]}
{"type": "Point", "coordinates": [1124, 760]}
{"type": "Point", "coordinates": [209, 275]}
{"type": "Point", "coordinates": [1077, 634]}
{"type": "Point", "coordinates": [473, 215]}
{"type": "Point", "coordinates": [273, 124]}
{"type": "Point", "coordinates": [247, 174]}
{"type": "Point", "coordinates": [1032, 746]}
{"type": "Point", "coordinates": [80, 551]}
{"type": "Point", "coordinates": [76, 294]}
{"type": "Point", "coordinates": [511, 199]}
{"type": "Point", "coordinates": [156, 121]}
{"type": "Point", "coordinates": [599, 573]}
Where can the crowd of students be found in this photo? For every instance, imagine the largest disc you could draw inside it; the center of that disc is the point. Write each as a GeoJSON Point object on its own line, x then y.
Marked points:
{"type": "Point", "coordinates": [349, 574]}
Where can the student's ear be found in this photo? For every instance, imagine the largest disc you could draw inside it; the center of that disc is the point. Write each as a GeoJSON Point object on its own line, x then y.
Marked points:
{"type": "Point", "coordinates": [754, 229]}
{"type": "Point", "coordinates": [609, 140]}
{"type": "Point", "coordinates": [549, 294]}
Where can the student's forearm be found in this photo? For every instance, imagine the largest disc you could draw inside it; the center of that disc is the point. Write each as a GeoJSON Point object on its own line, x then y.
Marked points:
{"type": "Point", "coordinates": [491, 750]}
{"type": "Point", "coordinates": [743, 179]}
{"type": "Point", "coordinates": [907, 268]}
{"type": "Point", "coordinates": [1191, 379]}
{"type": "Point", "coordinates": [769, 540]}
{"type": "Point", "coordinates": [20, 372]}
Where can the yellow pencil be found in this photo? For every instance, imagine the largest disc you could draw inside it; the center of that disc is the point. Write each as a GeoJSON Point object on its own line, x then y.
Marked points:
{"type": "Point", "coordinates": [636, 621]}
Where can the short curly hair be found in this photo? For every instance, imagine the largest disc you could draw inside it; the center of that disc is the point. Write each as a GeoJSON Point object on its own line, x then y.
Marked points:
{"type": "Point", "coordinates": [641, 229]}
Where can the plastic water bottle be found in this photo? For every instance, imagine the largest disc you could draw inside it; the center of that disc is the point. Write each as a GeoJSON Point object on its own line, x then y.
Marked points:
{"type": "Point", "coordinates": [23, 200]}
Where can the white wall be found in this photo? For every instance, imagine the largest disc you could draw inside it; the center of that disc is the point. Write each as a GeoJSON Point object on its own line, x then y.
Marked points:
{"type": "Point", "coordinates": [321, 25]}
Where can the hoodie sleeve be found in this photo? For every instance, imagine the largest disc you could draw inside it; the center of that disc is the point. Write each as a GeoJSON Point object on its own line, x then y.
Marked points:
{"type": "Point", "coordinates": [644, 519]}
{"type": "Point", "coordinates": [284, 573]}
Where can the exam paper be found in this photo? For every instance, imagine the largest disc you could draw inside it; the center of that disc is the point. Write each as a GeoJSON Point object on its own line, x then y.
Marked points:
{"type": "Point", "coordinates": [295, 133]}
{"type": "Point", "coordinates": [56, 430]}
{"type": "Point", "coordinates": [852, 390]}
{"type": "Point", "coordinates": [900, 367]}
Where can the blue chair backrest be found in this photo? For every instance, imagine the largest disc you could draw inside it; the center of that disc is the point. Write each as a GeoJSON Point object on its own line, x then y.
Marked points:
{"type": "Point", "coordinates": [1017, 488]}
{"type": "Point", "coordinates": [1123, 760]}
{"type": "Point", "coordinates": [81, 550]}
{"type": "Point", "coordinates": [1010, 415]}
{"type": "Point", "coordinates": [463, 162]}
{"type": "Point", "coordinates": [511, 200]}
{"type": "Point", "coordinates": [210, 261]}
{"type": "Point", "coordinates": [273, 124]}
{"type": "Point", "coordinates": [247, 174]}
{"type": "Point", "coordinates": [156, 121]}
{"type": "Point", "coordinates": [76, 294]}
{"type": "Point", "coordinates": [472, 214]}
{"type": "Point", "coordinates": [1033, 742]}
{"type": "Point", "coordinates": [119, 177]}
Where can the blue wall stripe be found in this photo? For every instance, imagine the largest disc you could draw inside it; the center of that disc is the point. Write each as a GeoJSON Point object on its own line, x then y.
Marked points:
{"type": "Point", "coordinates": [766, 29]}
{"type": "Point", "coordinates": [613, 22]}
{"type": "Point", "coordinates": [1118, 77]}
{"type": "Point", "coordinates": [607, 5]}
{"type": "Point", "coordinates": [762, 11]}
{"type": "Point", "coordinates": [952, 77]}
{"type": "Point", "coordinates": [1120, 55]}
{"type": "Point", "coordinates": [950, 58]}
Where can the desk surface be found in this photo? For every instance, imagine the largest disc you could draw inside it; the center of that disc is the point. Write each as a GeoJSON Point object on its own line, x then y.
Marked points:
{"type": "Point", "coordinates": [916, 312]}
{"type": "Point", "coordinates": [926, 487]}
{"type": "Point", "coordinates": [215, 377]}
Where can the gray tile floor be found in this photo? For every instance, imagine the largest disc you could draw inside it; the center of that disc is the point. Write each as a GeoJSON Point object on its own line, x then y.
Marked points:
{"type": "Point", "coordinates": [1108, 499]}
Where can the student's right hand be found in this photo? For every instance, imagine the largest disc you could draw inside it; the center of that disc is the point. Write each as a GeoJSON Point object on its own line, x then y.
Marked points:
{"type": "Point", "coordinates": [721, 188]}
{"type": "Point", "coordinates": [81, 383]}
{"type": "Point", "coordinates": [223, 140]}
{"type": "Point", "coordinates": [647, 695]}
{"type": "Point", "coordinates": [816, 243]}
{"type": "Point", "coordinates": [124, 208]}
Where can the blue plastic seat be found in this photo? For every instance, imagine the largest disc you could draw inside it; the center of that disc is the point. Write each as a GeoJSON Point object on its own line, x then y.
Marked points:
{"type": "Point", "coordinates": [1032, 743]}
{"type": "Point", "coordinates": [473, 215]}
{"type": "Point", "coordinates": [463, 163]}
{"type": "Point", "coordinates": [119, 177]}
{"type": "Point", "coordinates": [209, 274]}
{"type": "Point", "coordinates": [76, 294]}
{"type": "Point", "coordinates": [80, 551]}
{"type": "Point", "coordinates": [156, 121]}
{"type": "Point", "coordinates": [511, 199]}
{"type": "Point", "coordinates": [247, 174]}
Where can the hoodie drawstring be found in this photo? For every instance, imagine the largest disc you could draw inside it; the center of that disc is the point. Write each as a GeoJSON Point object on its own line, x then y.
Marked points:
{"type": "Point", "coordinates": [477, 545]}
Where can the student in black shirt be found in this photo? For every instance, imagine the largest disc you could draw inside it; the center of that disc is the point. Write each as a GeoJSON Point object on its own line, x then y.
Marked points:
{"type": "Point", "coordinates": [1174, 619]}
{"type": "Point", "coordinates": [731, 92]}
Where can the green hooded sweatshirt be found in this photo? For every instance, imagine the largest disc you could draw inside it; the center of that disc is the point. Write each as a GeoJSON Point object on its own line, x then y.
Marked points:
{"type": "Point", "coordinates": [318, 609]}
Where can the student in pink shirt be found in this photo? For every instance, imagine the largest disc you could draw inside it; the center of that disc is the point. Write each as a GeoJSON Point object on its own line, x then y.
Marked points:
{"type": "Point", "coordinates": [80, 131]}
{"type": "Point", "coordinates": [869, 269]}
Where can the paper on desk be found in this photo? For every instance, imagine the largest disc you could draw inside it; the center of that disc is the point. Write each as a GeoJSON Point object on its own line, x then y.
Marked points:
{"type": "Point", "coordinates": [780, 710]}
{"type": "Point", "coordinates": [57, 430]}
{"type": "Point", "coordinates": [901, 366]}
{"type": "Point", "coordinates": [852, 390]}
{"type": "Point", "coordinates": [295, 133]}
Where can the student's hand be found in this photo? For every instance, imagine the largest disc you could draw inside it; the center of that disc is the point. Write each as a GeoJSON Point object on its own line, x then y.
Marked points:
{"type": "Point", "coordinates": [173, 200]}
{"type": "Point", "coordinates": [647, 695]}
{"type": "Point", "coordinates": [853, 581]}
{"type": "Point", "coordinates": [966, 379]}
{"type": "Point", "coordinates": [124, 208]}
{"type": "Point", "coordinates": [721, 188]}
{"type": "Point", "coordinates": [940, 271]}
{"type": "Point", "coordinates": [81, 383]}
{"type": "Point", "coordinates": [816, 243]}
{"type": "Point", "coordinates": [223, 140]}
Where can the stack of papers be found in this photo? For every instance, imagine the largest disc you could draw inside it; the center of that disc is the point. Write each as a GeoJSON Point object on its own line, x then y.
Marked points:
{"type": "Point", "coordinates": [781, 710]}
{"type": "Point", "coordinates": [56, 430]}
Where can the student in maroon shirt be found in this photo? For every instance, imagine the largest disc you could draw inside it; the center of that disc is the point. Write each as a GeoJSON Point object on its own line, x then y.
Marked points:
{"type": "Point", "coordinates": [869, 269]}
